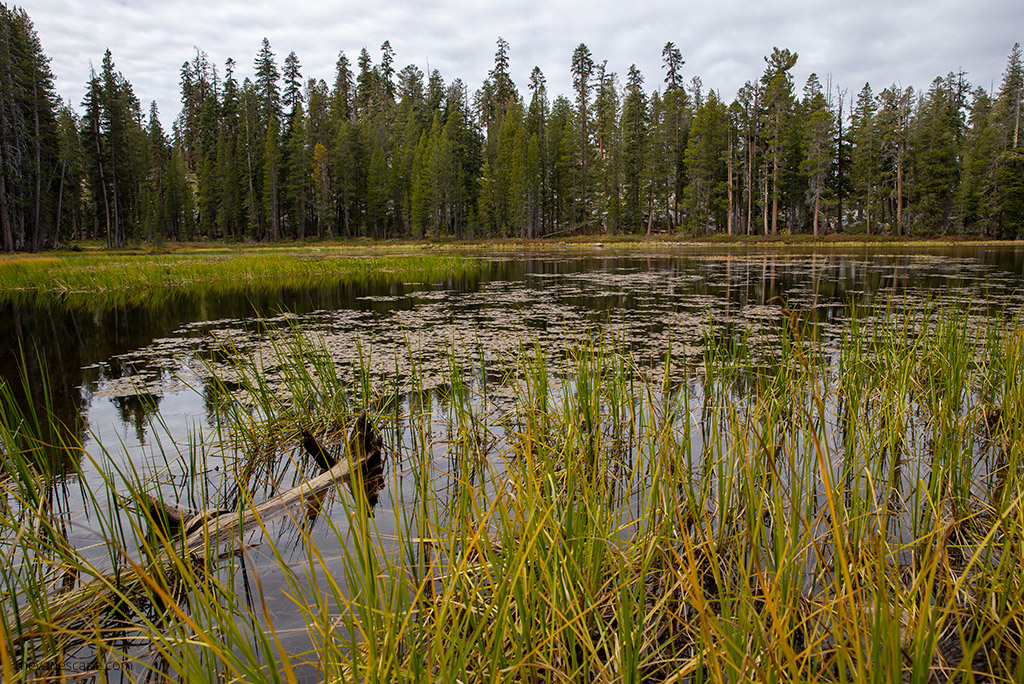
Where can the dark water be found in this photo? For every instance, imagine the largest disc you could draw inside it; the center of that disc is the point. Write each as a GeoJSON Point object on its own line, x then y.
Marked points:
{"type": "Point", "coordinates": [135, 380]}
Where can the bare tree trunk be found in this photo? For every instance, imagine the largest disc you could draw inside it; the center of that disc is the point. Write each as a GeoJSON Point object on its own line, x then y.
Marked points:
{"type": "Point", "coordinates": [113, 186]}
{"type": "Point", "coordinates": [899, 173]}
{"type": "Point", "coordinates": [752, 151]}
{"type": "Point", "coordinates": [37, 199]}
{"type": "Point", "coordinates": [765, 207]}
{"type": "Point", "coordinates": [60, 202]}
{"type": "Point", "coordinates": [650, 211]}
{"type": "Point", "coordinates": [775, 191]}
{"type": "Point", "coordinates": [103, 181]}
{"type": "Point", "coordinates": [899, 193]}
{"type": "Point", "coordinates": [5, 222]}
{"type": "Point", "coordinates": [817, 205]}
{"type": "Point", "coordinates": [729, 218]}
{"type": "Point", "coordinates": [839, 159]}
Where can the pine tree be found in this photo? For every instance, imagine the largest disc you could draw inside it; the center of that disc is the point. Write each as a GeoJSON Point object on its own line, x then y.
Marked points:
{"type": "Point", "coordinates": [707, 189]}
{"type": "Point", "coordinates": [634, 150]}
{"type": "Point", "coordinates": [295, 165]}
{"type": "Point", "coordinates": [818, 132]}
{"type": "Point", "coordinates": [272, 177]}
{"type": "Point", "coordinates": [892, 125]}
{"type": "Point", "coordinates": [980, 162]}
{"type": "Point", "coordinates": [538, 156]}
{"type": "Point", "coordinates": [28, 136]}
{"type": "Point", "coordinates": [267, 76]}
{"type": "Point", "coordinates": [934, 157]}
{"type": "Point", "coordinates": [292, 76]}
{"type": "Point", "coordinates": [582, 74]}
{"type": "Point", "coordinates": [778, 98]}
{"type": "Point", "coordinates": [1011, 97]}
{"type": "Point", "coordinates": [231, 160]}
{"type": "Point", "coordinates": [677, 119]}
{"type": "Point", "coordinates": [607, 171]}
{"type": "Point", "coordinates": [865, 158]}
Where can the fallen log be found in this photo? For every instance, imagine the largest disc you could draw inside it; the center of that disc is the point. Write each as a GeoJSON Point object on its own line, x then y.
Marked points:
{"type": "Point", "coordinates": [190, 538]}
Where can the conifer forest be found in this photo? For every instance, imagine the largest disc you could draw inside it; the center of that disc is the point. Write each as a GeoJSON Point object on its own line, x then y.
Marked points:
{"type": "Point", "coordinates": [385, 152]}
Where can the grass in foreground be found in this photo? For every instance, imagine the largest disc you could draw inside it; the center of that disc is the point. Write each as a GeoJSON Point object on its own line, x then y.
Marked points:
{"type": "Point", "coordinates": [843, 512]}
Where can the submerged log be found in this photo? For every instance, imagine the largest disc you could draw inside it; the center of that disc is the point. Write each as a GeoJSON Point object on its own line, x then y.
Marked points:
{"type": "Point", "coordinates": [319, 455]}
{"type": "Point", "coordinates": [201, 535]}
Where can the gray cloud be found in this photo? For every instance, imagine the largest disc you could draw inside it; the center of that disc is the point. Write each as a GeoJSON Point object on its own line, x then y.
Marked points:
{"type": "Point", "coordinates": [723, 41]}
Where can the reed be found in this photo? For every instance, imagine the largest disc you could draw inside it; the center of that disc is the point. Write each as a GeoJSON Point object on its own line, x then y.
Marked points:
{"type": "Point", "coordinates": [842, 508]}
{"type": "Point", "coordinates": [90, 281]}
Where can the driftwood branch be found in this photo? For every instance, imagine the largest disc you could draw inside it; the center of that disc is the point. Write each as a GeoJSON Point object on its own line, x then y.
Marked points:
{"type": "Point", "coordinates": [204, 533]}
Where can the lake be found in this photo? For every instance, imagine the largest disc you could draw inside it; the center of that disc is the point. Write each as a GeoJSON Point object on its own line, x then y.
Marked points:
{"type": "Point", "coordinates": [146, 385]}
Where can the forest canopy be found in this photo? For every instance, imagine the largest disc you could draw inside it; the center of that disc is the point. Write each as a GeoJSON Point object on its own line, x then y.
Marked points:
{"type": "Point", "coordinates": [383, 152]}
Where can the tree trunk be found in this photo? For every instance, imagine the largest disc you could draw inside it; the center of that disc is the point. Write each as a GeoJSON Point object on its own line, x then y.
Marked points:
{"type": "Point", "coordinates": [60, 202]}
{"type": "Point", "coordinates": [37, 199]}
{"type": "Point", "coordinates": [839, 164]}
{"type": "Point", "coordinates": [5, 221]}
{"type": "Point", "coordinates": [899, 173]}
{"type": "Point", "coordinates": [729, 217]}
{"type": "Point", "coordinates": [817, 205]}
{"type": "Point", "coordinates": [765, 207]}
{"type": "Point", "coordinates": [113, 187]}
{"type": "Point", "coordinates": [202, 536]}
{"type": "Point", "coordinates": [650, 211]}
{"type": "Point", "coordinates": [1016, 125]}
{"type": "Point", "coordinates": [775, 191]}
{"type": "Point", "coordinates": [899, 193]}
{"type": "Point", "coordinates": [103, 181]}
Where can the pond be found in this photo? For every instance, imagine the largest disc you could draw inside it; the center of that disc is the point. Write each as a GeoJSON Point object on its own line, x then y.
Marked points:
{"type": "Point", "coordinates": [146, 386]}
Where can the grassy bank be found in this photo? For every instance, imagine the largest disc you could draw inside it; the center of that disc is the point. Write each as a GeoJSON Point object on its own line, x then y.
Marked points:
{"type": "Point", "coordinates": [135, 278]}
{"type": "Point", "coordinates": [844, 510]}
{"type": "Point", "coordinates": [95, 277]}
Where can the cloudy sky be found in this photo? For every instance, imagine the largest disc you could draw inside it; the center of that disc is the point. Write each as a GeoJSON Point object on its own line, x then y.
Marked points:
{"type": "Point", "coordinates": [723, 41]}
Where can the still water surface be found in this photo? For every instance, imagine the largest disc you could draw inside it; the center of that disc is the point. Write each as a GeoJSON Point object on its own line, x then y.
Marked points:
{"type": "Point", "coordinates": [140, 378]}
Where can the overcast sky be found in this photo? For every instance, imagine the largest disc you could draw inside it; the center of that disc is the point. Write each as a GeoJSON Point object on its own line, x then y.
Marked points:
{"type": "Point", "coordinates": [723, 41]}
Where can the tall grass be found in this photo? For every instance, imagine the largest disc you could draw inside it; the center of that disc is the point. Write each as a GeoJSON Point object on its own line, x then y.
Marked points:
{"type": "Point", "coordinates": [807, 508]}
{"type": "Point", "coordinates": [89, 280]}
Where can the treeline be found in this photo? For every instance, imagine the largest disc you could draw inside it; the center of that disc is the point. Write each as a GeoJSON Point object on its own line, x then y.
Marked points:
{"type": "Point", "coordinates": [396, 153]}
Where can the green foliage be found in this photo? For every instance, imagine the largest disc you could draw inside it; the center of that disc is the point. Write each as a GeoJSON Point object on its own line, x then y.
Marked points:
{"type": "Point", "coordinates": [1010, 193]}
{"type": "Point", "coordinates": [706, 166]}
{"type": "Point", "coordinates": [402, 154]}
{"type": "Point", "coordinates": [802, 509]}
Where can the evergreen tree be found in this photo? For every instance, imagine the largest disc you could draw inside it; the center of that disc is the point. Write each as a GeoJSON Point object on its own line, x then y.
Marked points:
{"type": "Point", "coordinates": [1011, 97]}
{"type": "Point", "coordinates": [295, 165]}
{"type": "Point", "coordinates": [865, 157]}
{"type": "Point", "coordinates": [707, 189]}
{"type": "Point", "coordinates": [607, 171]}
{"type": "Point", "coordinates": [778, 98]}
{"type": "Point", "coordinates": [231, 160]}
{"type": "Point", "coordinates": [538, 171]}
{"type": "Point", "coordinates": [891, 124]}
{"type": "Point", "coordinates": [29, 147]}
{"type": "Point", "coordinates": [1010, 193]}
{"type": "Point", "coordinates": [980, 163]}
{"type": "Point", "coordinates": [198, 90]}
{"type": "Point", "coordinates": [292, 76]}
{"type": "Point", "coordinates": [267, 76]}
{"type": "Point", "coordinates": [582, 75]}
{"type": "Point", "coordinates": [634, 150]}
{"type": "Point", "coordinates": [677, 119]}
{"type": "Point", "coordinates": [934, 158]}
{"type": "Point", "coordinates": [818, 132]}
{"type": "Point", "coordinates": [272, 177]}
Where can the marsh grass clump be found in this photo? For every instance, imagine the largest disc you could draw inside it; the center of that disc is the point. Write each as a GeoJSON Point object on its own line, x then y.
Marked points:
{"type": "Point", "coordinates": [840, 507]}
{"type": "Point", "coordinates": [103, 281]}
